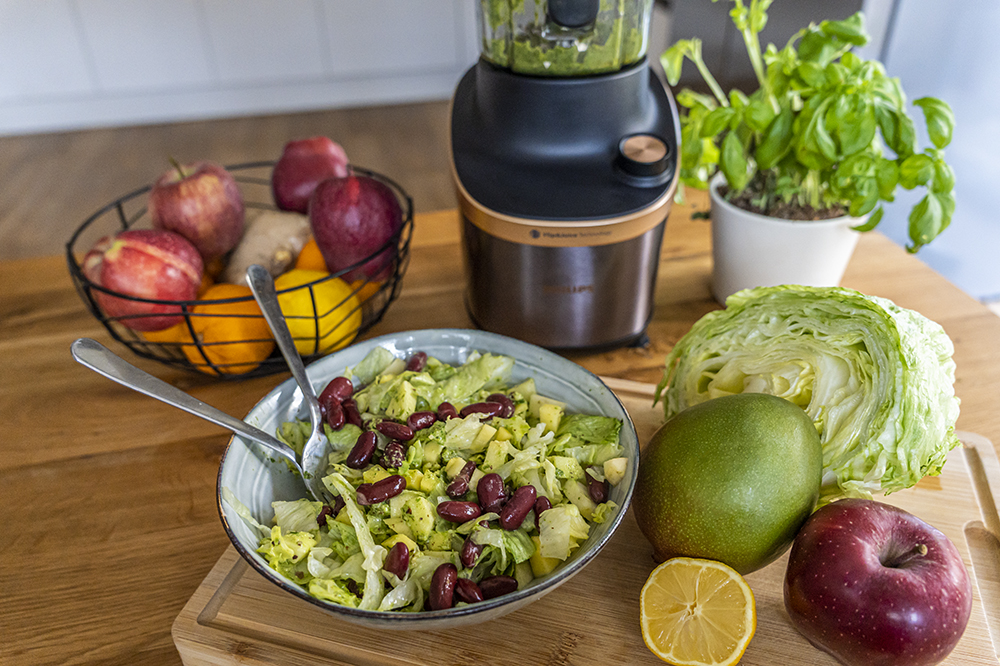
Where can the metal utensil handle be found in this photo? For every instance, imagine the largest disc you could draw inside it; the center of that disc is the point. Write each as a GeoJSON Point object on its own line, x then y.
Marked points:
{"type": "Point", "coordinates": [103, 361]}
{"type": "Point", "coordinates": [262, 285]}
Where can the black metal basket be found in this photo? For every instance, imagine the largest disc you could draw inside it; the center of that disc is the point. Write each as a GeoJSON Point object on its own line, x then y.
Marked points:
{"type": "Point", "coordinates": [191, 353]}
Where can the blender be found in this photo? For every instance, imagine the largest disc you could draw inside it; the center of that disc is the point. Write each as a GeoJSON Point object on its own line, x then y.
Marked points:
{"type": "Point", "coordinates": [564, 149]}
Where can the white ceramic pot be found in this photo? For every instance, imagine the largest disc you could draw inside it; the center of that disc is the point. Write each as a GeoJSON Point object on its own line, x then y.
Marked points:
{"type": "Point", "coordinates": [750, 250]}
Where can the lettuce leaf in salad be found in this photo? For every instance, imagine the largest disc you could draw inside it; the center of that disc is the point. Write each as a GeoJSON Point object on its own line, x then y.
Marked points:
{"type": "Point", "coordinates": [287, 553]}
{"type": "Point", "coordinates": [561, 529]}
{"type": "Point", "coordinates": [480, 372]}
{"type": "Point", "coordinates": [335, 591]}
{"type": "Point", "coordinates": [296, 516]}
{"type": "Point", "coordinates": [374, 555]}
{"type": "Point", "coordinates": [373, 364]}
{"type": "Point", "coordinates": [877, 380]}
{"type": "Point", "coordinates": [589, 429]}
{"type": "Point", "coordinates": [241, 509]}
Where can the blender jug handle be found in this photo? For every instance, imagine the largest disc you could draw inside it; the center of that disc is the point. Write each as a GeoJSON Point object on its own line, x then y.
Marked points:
{"type": "Point", "coordinates": [573, 13]}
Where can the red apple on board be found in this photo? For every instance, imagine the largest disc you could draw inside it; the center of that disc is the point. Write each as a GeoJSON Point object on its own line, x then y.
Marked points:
{"type": "Point", "coordinates": [303, 165]}
{"type": "Point", "coordinates": [874, 585]}
{"type": "Point", "coordinates": [351, 218]}
{"type": "Point", "coordinates": [148, 264]}
{"type": "Point", "coordinates": [203, 203]}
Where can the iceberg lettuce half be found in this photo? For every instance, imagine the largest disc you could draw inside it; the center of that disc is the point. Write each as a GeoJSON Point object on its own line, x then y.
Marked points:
{"type": "Point", "coordinates": [876, 379]}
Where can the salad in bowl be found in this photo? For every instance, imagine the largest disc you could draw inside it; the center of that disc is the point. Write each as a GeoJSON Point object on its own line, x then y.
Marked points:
{"type": "Point", "coordinates": [472, 473]}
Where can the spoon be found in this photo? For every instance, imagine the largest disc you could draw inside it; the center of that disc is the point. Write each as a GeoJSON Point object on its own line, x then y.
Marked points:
{"type": "Point", "coordinates": [103, 361]}
{"type": "Point", "coordinates": [315, 453]}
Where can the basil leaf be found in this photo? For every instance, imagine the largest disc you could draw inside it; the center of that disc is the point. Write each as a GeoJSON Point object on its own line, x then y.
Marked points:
{"type": "Point", "coordinates": [887, 177]}
{"type": "Point", "coordinates": [811, 74]}
{"type": "Point", "coordinates": [916, 170]}
{"type": "Point", "coordinates": [927, 220]}
{"type": "Point", "coordinates": [872, 222]}
{"type": "Point", "coordinates": [944, 178]}
{"type": "Point", "coordinates": [865, 199]}
{"type": "Point", "coordinates": [759, 113]}
{"type": "Point", "coordinates": [777, 140]}
{"type": "Point", "coordinates": [850, 30]}
{"type": "Point", "coordinates": [733, 162]}
{"type": "Point", "coordinates": [673, 60]}
{"type": "Point", "coordinates": [717, 121]}
{"type": "Point", "coordinates": [939, 118]}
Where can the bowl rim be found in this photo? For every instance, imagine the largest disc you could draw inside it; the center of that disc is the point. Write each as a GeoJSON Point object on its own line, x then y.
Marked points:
{"type": "Point", "coordinates": [411, 619]}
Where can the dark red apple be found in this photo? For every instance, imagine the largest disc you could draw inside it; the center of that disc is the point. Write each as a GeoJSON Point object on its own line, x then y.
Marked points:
{"type": "Point", "coordinates": [874, 585]}
{"type": "Point", "coordinates": [351, 219]}
{"type": "Point", "coordinates": [149, 264]}
{"type": "Point", "coordinates": [303, 165]}
{"type": "Point", "coordinates": [203, 203]}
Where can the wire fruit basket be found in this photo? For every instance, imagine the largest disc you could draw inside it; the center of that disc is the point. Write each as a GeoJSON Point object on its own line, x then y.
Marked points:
{"type": "Point", "coordinates": [319, 325]}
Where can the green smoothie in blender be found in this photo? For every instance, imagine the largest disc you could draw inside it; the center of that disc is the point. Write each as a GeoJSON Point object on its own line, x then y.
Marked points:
{"type": "Point", "coordinates": [564, 37]}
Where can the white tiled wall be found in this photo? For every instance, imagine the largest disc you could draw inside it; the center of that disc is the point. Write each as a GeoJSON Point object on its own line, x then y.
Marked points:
{"type": "Point", "coordinates": [67, 64]}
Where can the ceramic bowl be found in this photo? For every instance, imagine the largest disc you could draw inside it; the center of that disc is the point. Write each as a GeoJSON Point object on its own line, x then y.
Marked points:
{"type": "Point", "coordinates": [247, 470]}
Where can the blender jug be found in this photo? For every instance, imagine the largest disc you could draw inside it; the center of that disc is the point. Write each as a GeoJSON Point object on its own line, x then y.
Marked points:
{"type": "Point", "coordinates": [564, 37]}
{"type": "Point", "coordinates": [564, 152]}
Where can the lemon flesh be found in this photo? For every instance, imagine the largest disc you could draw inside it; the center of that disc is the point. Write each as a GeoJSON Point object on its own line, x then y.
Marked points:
{"type": "Point", "coordinates": [696, 612]}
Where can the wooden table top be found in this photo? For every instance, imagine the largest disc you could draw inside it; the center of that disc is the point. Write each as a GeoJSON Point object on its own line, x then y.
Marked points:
{"type": "Point", "coordinates": [109, 496]}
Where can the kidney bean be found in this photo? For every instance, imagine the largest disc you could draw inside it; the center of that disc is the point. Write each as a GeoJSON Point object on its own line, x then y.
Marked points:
{"type": "Point", "coordinates": [458, 512]}
{"type": "Point", "coordinates": [495, 586]}
{"type": "Point", "coordinates": [491, 492]}
{"type": "Point", "coordinates": [393, 430]}
{"type": "Point", "coordinates": [398, 559]}
{"type": "Point", "coordinates": [443, 586]}
{"type": "Point", "coordinates": [333, 414]}
{"type": "Point", "coordinates": [466, 590]}
{"type": "Point", "coordinates": [542, 503]}
{"type": "Point", "coordinates": [460, 484]}
{"type": "Point", "coordinates": [351, 413]}
{"type": "Point", "coordinates": [417, 362]}
{"type": "Point", "coordinates": [338, 390]}
{"type": "Point", "coordinates": [470, 553]}
{"type": "Point", "coordinates": [517, 507]}
{"type": "Point", "coordinates": [488, 409]}
{"type": "Point", "coordinates": [598, 490]}
{"type": "Point", "coordinates": [446, 411]}
{"type": "Point", "coordinates": [394, 455]}
{"type": "Point", "coordinates": [381, 490]}
{"type": "Point", "coordinates": [508, 404]}
{"type": "Point", "coordinates": [420, 420]}
{"type": "Point", "coordinates": [363, 451]}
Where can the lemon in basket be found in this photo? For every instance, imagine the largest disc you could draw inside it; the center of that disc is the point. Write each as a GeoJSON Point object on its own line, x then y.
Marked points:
{"type": "Point", "coordinates": [322, 312]}
{"type": "Point", "coordinates": [696, 612]}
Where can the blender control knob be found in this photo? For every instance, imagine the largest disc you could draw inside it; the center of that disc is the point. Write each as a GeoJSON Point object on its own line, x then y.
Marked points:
{"type": "Point", "coordinates": [643, 155]}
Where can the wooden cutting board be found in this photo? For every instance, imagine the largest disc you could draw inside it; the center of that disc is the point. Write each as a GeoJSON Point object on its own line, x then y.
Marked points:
{"type": "Point", "coordinates": [238, 617]}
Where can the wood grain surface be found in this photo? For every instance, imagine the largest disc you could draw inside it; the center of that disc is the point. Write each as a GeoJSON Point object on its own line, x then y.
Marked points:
{"type": "Point", "coordinates": [110, 495]}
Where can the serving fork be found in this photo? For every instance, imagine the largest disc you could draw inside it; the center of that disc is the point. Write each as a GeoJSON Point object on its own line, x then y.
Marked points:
{"type": "Point", "coordinates": [315, 453]}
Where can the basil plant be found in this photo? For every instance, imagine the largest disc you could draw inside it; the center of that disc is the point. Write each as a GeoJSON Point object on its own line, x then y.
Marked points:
{"type": "Point", "coordinates": [825, 129]}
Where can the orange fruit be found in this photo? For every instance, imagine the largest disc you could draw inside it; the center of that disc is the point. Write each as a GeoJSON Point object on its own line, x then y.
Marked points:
{"type": "Point", "coordinates": [696, 612]}
{"type": "Point", "coordinates": [322, 321]}
{"type": "Point", "coordinates": [310, 258]}
{"type": "Point", "coordinates": [364, 289]}
{"type": "Point", "coordinates": [233, 336]}
{"type": "Point", "coordinates": [173, 335]}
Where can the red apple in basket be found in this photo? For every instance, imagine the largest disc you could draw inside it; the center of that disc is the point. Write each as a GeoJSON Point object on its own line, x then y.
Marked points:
{"type": "Point", "coordinates": [303, 165]}
{"type": "Point", "coordinates": [874, 585]}
{"type": "Point", "coordinates": [203, 203]}
{"type": "Point", "coordinates": [351, 219]}
{"type": "Point", "coordinates": [149, 264]}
